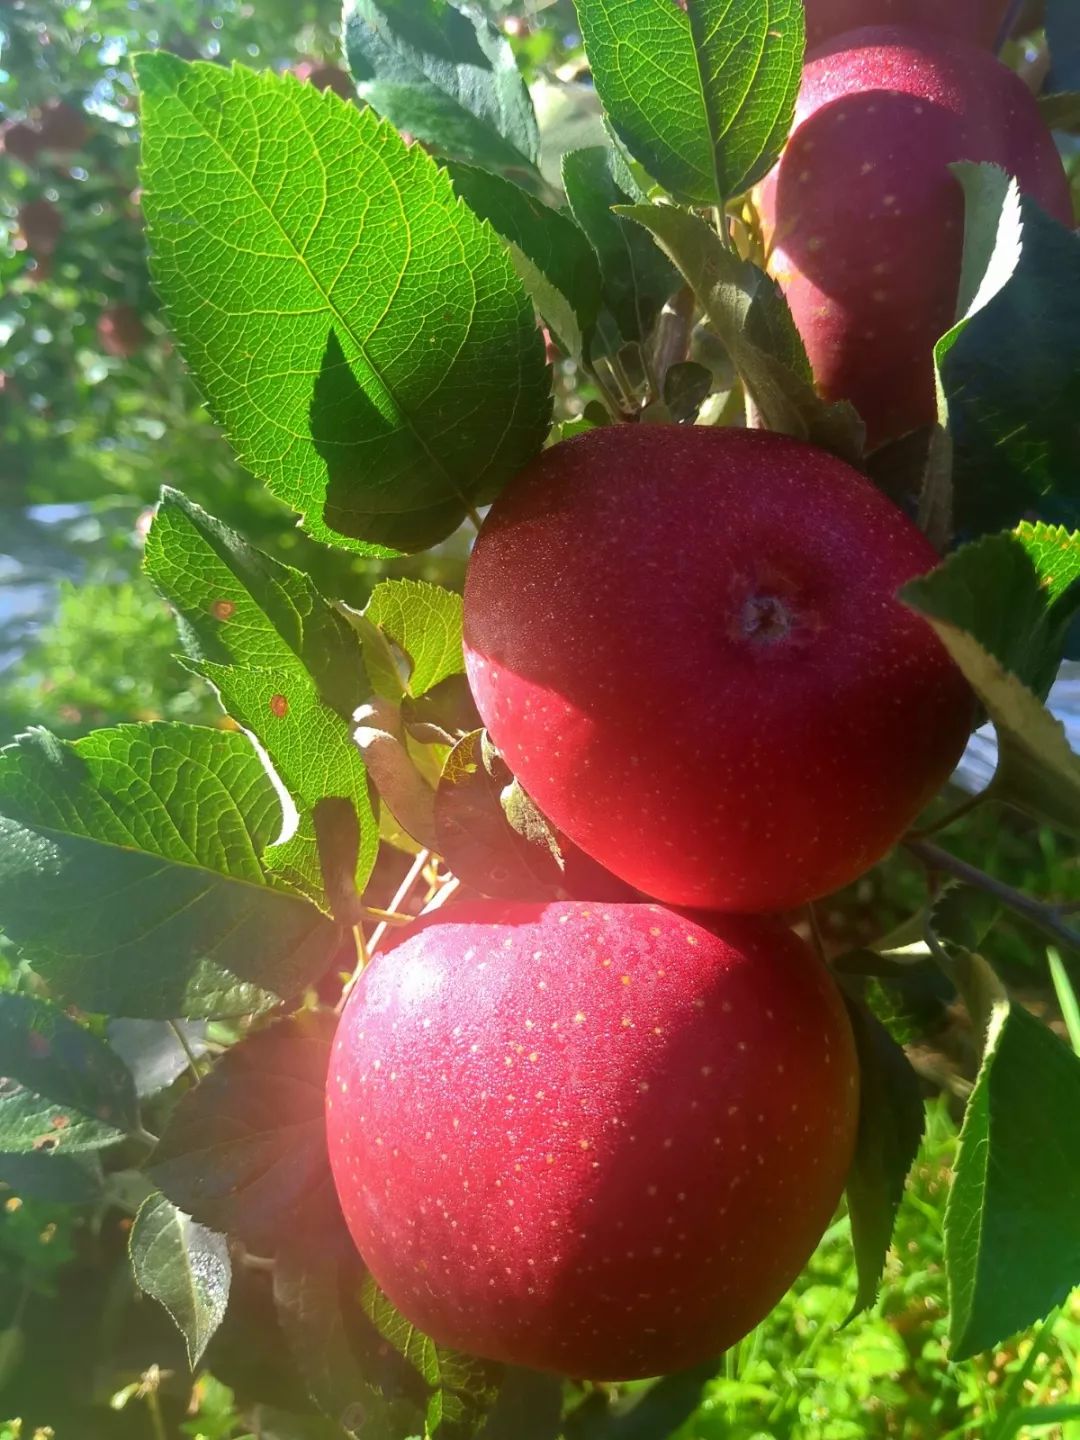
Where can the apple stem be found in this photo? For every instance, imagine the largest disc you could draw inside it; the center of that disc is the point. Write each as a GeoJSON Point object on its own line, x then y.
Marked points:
{"type": "Point", "coordinates": [1008, 25]}
{"type": "Point", "coordinates": [474, 515]}
{"type": "Point", "coordinates": [815, 932]}
{"type": "Point", "coordinates": [394, 916]}
{"type": "Point", "coordinates": [1045, 916]}
{"type": "Point", "coordinates": [182, 1041]}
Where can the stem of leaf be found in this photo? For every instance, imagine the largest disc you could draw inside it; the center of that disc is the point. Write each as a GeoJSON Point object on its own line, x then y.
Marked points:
{"type": "Point", "coordinates": [1045, 916]}
{"type": "Point", "coordinates": [964, 808]}
{"type": "Point", "coordinates": [144, 1137]}
{"type": "Point", "coordinates": [474, 515]}
{"type": "Point", "coordinates": [157, 1423]}
{"type": "Point", "coordinates": [365, 952]}
{"type": "Point", "coordinates": [1012, 15]}
{"type": "Point", "coordinates": [182, 1041]}
{"type": "Point", "coordinates": [815, 932]}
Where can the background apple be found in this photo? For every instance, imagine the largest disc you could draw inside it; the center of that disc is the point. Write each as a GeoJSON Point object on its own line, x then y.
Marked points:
{"type": "Point", "coordinates": [863, 220]}
{"type": "Point", "coordinates": [978, 20]}
{"type": "Point", "coordinates": [600, 1140]}
{"type": "Point", "coordinates": [685, 643]}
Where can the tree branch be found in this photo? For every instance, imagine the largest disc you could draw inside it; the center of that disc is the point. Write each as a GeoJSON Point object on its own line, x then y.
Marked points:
{"type": "Point", "coordinates": [1047, 917]}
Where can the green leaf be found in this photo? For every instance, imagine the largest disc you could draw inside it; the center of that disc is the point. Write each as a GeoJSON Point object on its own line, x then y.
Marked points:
{"type": "Point", "coordinates": [393, 377]}
{"type": "Point", "coordinates": [702, 97]}
{"type": "Point", "coordinates": [1037, 771]}
{"type": "Point", "coordinates": [636, 279]}
{"type": "Point", "coordinates": [891, 1123]}
{"type": "Point", "coordinates": [286, 664]}
{"type": "Point", "coordinates": [238, 606]}
{"type": "Point", "coordinates": [404, 790]}
{"type": "Point", "coordinates": [463, 1388]}
{"type": "Point", "coordinates": [63, 1088]}
{"type": "Point", "coordinates": [1012, 1226]}
{"type": "Point", "coordinates": [748, 312]}
{"type": "Point", "coordinates": [313, 1296]}
{"type": "Point", "coordinates": [1014, 593]}
{"type": "Point", "coordinates": [445, 74]}
{"type": "Point", "coordinates": [131, 878]}
{"type": "Point", "coordinates": [245, 1151]}
{"type": "Point", "coordinates": [529, 1407]}
{"type": "Point", "coordinates": [1017, 447]}
{"type": "Point", "coordinates": [183, 1266]}
{"type": "Point", "coordinates": [66, 1179]}
{"type": "Point", "coordinates": [424, 621]}
{"type": "Point", "coordinates": [1060, 111]}
{"type": "Point", "coordinates": [552, 257]}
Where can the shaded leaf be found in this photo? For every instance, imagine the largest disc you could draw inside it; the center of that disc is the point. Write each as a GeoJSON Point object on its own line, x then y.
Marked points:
{"type": "Point", "coordinates": [445, 74]}
{"type": "Point", "coordinates": [636, 279]}
{"type": "Point", "coordinates": [552, 257]}
{"type": "Point", "coordinates": [69, 1179]}
{"type": "Point", "coordinates": [365, 298]}
{"type": "Point", "coordinates": [1017, 446]}
{"type": "Point", "coordinates": [405, 791]}
{"type": "Point", "coordinates": [1036, 771]}
{"type": "Point", "coordinates": [1012, 1226]}
{"type": "Point", "coordinates": [891, 1123]}
{"type": "Point", "coordinates": [245, 1151]}
{"type": "Point", "coordinates": [703, 96]}
{"type": "Point", "coordinates": [750, 315]}
{"type": "Point", "coordinates": [151, 835]}
{"type": "Point", "coordinates": [183, 1266]}
{"type": "Point", "coordinates": [152, 1051]}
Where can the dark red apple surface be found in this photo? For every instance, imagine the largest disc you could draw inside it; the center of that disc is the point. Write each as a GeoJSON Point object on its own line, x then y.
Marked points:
{"type": "Point", "coordinates": [685, 643]}
{"type": "Point", "coordinates": [121, 331]}
{"type": "Point", "coordinates": [863, 220]}
{"type": "Point", "coordinates": [977, 20]}
{"type": "Point", "coordinates": [595, 1139]}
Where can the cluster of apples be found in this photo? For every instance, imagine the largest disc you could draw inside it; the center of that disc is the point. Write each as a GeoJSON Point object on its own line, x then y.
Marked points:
{"type": "Point", "coordinates": [602, 1138]}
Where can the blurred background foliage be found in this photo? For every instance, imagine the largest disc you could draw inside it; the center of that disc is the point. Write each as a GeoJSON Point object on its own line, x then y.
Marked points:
{"type": "Point", "coordinates": [96, 412]}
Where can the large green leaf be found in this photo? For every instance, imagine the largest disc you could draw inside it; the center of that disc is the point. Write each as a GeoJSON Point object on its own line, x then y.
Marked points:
{"type": "Point", "coordinates": [359, 335]}
{"type": "Point", "coordinates": [131, 873]}
{"type": "Point", "coordinates": [636, 279]}
{"type": "Point", "coordinates": [62, 1087]}
{"type": "Point", "coordinates": [1003, 603]}
{"type": "Point", "coordinates": [552, 257]}
{"type": "Point", "coordinates": [286, 665]}
{"type": "Point", "coordinates": [183, 1266]}
{"type": "Point", "coordinates": [245, 1151]}
{"type": "Point", "coordinates": [447, 75]}
{"type": "Point", "coordinates": [1012, 1227]}
{"type": "Point", "coordinates": [1017, 445]}
{"type": "Point", "coordinates": [750, 315]}
{"type": "Point", "coordinates": [702, 96]}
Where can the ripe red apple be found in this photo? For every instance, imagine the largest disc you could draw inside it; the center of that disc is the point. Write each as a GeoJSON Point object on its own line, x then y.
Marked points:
{"type": "Point", "coordinates": [20, 140]}
{"type": "Point", "coordinates": [63, 128]}
{"type": "Point", "coordinates": [685, 644]}
{"type": "Point", "coordinates": [595, 1139]}
{"type": "Point", "coordinates": [863, 220]}
{"type": "Point", "coordinates": [977, 20]}
{"type": "Point", "coordinates": [120, 331]}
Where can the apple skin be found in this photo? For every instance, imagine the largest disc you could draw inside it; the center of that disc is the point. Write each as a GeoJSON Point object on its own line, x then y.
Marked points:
{"type": "Point", "coordinates": [325, 76]}
{"type": "Point", "coordinates": [685, 644]}
{"type": "Point", "coordinates": [120, 331]}
{"type": "Point", "coordinates": [600, 1140]}
{"type": "Point", "coordinates": [975, 20]}
{"type": "Point", "coordinates": [863, 221]}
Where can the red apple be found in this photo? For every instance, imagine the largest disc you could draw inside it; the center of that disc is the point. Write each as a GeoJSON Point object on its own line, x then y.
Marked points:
{"type": "Point", "coordinates": [685, 643]}
{"type": "Point", "coordinates": [977, 20]}
{"type": "Point", "coordinates": [120, 331]}
{"type": "Point", "coordinates": [21, 141]}
{"type": "Point", "coordinates": [595, 1139]}
{"type": "Point", "coordinates": [863, 220]}
{"type": "Point", "coordinates": [63, 128]}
